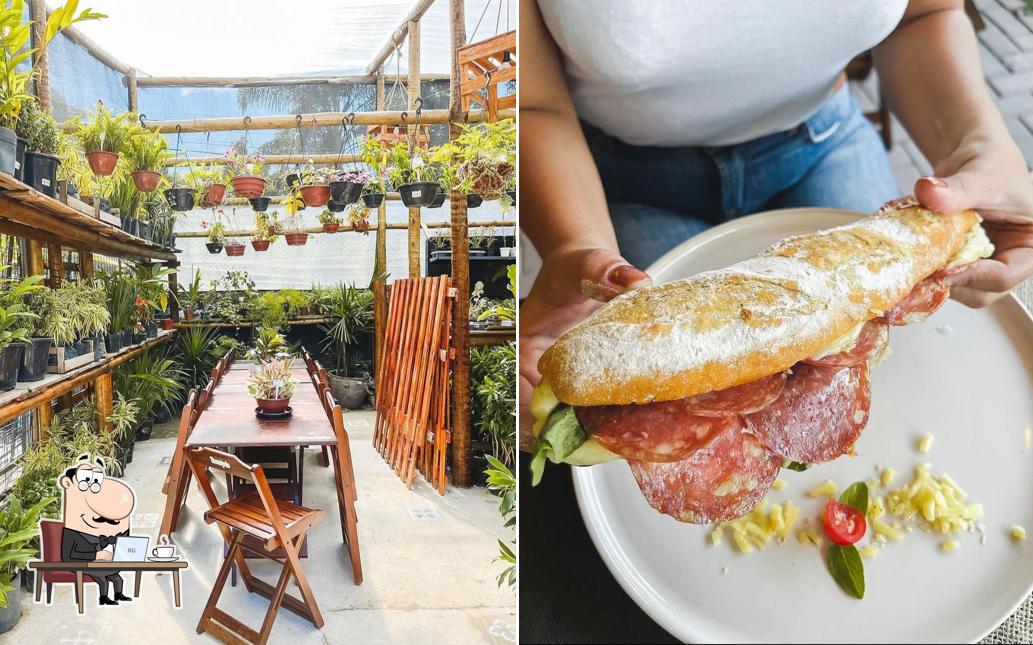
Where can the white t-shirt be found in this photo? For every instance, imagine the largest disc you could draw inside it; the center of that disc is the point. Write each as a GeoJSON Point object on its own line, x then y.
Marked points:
{"type": "Point", "coordinates": [709, 72]}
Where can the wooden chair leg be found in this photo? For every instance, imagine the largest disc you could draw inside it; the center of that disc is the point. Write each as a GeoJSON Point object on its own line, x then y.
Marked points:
{"type": "Point", "coordinates": [325, 458]}
{"type": "Point", "coordinates": [352, 530]}
{"type": "Point", "coordinates": [274, 603]}
{"type": "Point", "coordinates": [291, 550]}
{"type": "Point", "coordinates": [39, 585]}
{"type": "Point", "coordinates": [220, 582]}
{"type": "Point", "coordinates": [50, 592]}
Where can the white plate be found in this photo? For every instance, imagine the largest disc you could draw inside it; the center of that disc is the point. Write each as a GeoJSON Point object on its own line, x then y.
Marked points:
{"type": "Point", "coordinates": [971, 388]}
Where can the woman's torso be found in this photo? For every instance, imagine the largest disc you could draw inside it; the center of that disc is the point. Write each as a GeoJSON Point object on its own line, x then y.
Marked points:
{"type": "Point", "coordinates": [708, 72]}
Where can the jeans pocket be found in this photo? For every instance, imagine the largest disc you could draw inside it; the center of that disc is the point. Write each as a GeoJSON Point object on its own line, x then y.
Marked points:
{"type": "Point", "coordinates": [831, 118]}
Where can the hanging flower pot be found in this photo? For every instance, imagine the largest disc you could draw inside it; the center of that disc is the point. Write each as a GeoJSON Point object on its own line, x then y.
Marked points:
{"type": "Point", "coordinates": [512, 196]}
{"type": "Point", "coordinates": [361, 226]}
{"type": "Point", "coordinates": [167, 323]}
{"type": "Point", "coordinates": [335, 206]}
{"type": "Point", "coordinates": [293, 180]}
{"type": "Point", "coordinates": [146, 180]}
{"type": "Point", "coordinates": [248, 186]}
{"type": "Point", "coordinates": [345, 192]}
{"type": "Point", "coordinates": [102, 163]}
{"type": "Point", "coordinates": [235, 249]}
{"type": "Point", "coordinates": [418, 193]}
{"type": "Point", "coordinates": [296, 239]}
{"type": "Point", "coordinates": [260, 245]}
{"type": "Point", "coordinates": [180, 199]}
{"type": "Point", "coordinates": [373, 200]}
{"type": "Point", "coordinates": [473, 200]}
{"type": "Point", "coordinates": [491, 184]}
{"type": "Point", "coordinates": [331, 228]}
{"type": "Point", "coordinates": [259, 204]}
{"type": "Point", "coordinates": [316, 196]}
{"type": "Point", "coordinates": [214, 248]}
{"type": "Point", "coordinates": [439, 200]}
{"type": "Point", "coordinates": [213, 195]}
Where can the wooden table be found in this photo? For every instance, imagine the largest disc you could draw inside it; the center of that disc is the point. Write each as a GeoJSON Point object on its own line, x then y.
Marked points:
{"type": "Point", "coordinates": [83, 568]}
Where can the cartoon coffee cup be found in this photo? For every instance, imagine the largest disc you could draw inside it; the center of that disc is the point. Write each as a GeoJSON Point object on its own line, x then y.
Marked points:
{"type": "Point", "coordinates": [165, 550]}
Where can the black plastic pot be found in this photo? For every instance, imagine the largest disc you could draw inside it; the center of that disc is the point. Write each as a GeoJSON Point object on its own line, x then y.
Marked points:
{"type": "Point", "coordinates": [214, 247]}
{"type": "Point", "coordinates": [293, 180]}
{"type": "Point", "coordinates": [41, 172]}
{"type": "Point", "coordinates": [8, 151]}
{"type": "Point", "coordinates": [19, 159]}
{"type": "Point", "coordinates": [10, 363]}
{"type": "Point", "coordinates": [439, 200]}
{"type": "Point", "coordinates": [34, 359]}
{"type": "Point", "coordinates": [143, 433]}
{"type": "Point", "coordinates": [143, 229]}
{"type": "Point", "coordinates": [151, 329]}
{"type": "Point", "coordinates": [473, 200]}
{"type": "Point", "coordinates": [98, 346]}
{"type": "Point", "coordinates": [138, 338]}
{"type": "Point", "coordinates": [345, 192]}
{"type": "Point", "coordinates": [512, 196]}
{"type": "Point", "coordinates": [113, 342]}
{"type": "Point", "coordinates": [335, 206]}
{"type": "Point", "coordinates": [418, 193]}
{"type": "Point", "coordinates": [181, 199]}
{"type": "Point", "coordinates": [373, 200]}
{"type": "Point", "coordinates": [259, 204]}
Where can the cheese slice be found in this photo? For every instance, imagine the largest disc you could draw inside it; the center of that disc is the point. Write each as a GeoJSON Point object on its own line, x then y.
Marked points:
{"type": "Point", "coordinates": [976, 247]}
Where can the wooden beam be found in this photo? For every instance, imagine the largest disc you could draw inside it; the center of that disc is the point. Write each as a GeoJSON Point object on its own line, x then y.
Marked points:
{"type": "Point", "coordinates": [269, 159]}
{"type": "Point", "coordinates": [34, 264]}
{"type": "Point", "coordinates": [102, 391]}
{"type": "Point", "coordinates": [57, 266]}
{"type": "Point", "coordinates": [397, 37]}
{"type": "Point", "coordinates": [414, 242]}
{"type": "Point", "coordinates": [264, 81]}
{"type": "Point", "coordinates": [413, 95]}
{"type": "Point", "coordinates": [93, 49]}
{"type": "Point", "coordinates": [380, 89]}
{"type": "Point", "coordinates": [85, 264]}
{"type": "Point", "coordinates": [38, 12]}
{"type": "Point", "coordinates": [131, 83]}
{"type": "Point", "coordinates": [380, 286]}
{"type": "Point", "coordinates": [173, 290]}
{"type": "Point", "coordinates": [44, 415]}
{"type": "Point", "coordinates": [348, 228]}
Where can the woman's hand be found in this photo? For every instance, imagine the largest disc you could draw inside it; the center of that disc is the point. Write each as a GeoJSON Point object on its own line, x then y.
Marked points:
{"type": "Point", "coordinates": [572, 283]}
{"type": "Point", "coordinates": [990, 177]}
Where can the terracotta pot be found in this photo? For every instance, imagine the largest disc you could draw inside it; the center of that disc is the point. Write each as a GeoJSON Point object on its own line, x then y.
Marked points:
{"type": "Point", "coordinates": [213, 195]}
{"type": "Point", "coordinates": [146, 180]}
{"type": "Point", "coordinates": [260, 245]}
{"type": "Point", "coordinates": [331, 228]}
{"type": "Point", "coordinates": [302, 311]}
{"type": "Point", "coordinates": [315, 196]}
{"type": "Point", "coordinates": [102, 163]}
{"type": "Point", "coordinates": [188, 313]}
{"type": "Point", "coordinates": [273, 406]}
{"type": "Point", "coordinates": [248, 186]}
{"type": "Point", "coordinates": [234, 249]}
{"type": "Point", "coordinates": [166, 323]}
{"type": "Point", "coordinates": [362, 226]}
{"type": "Point", "coordinates": [296, 239]}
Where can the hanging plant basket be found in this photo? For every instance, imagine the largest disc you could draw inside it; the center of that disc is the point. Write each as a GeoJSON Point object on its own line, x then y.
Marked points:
{"type": "Point", "coordinates": [345, 192]}
{"type": "Point", "coordinates": [491, 185]}
{"type": "Point", "coordinates": [473, 200]}
{"type": "Point", "coordinates": [315, 196]}
{"type": "Point", "coordinates": [259, 204]}
{"type": "Point", "coordinates": [248, 186]}
{"type": "Point", "coordinates": [335, 206]}
{"type": "Point", "coordinates": [418, 193]}
{"type": "Point", "coordinates": [180, 199]}
{"type": "Point", "coordinates": [512, 196]}
{"type": "Point", "coordinates": [214, 248]}
{"type": "Point", "coordinates": [296, 239]}
{"type": "Point", "coordinates": [213, 195]}
{"type": "Point", "coordinates": [146, 180]}
{"type": "Point", "coordinates": [373, 200]}
{"type": "Point", "coordinates": [439, 200]}
{"type": "Point", "coordinates": [234, 250]}
{"type": "Point", "coordinates": [102, 163]}
{"type": "Point", "coordinates": [293, 180]}
{"type": "Point", "coordinates": [331, 228]}
{"type": "Point", "coordinates": [260, 245]}
{"type": "Point", "coordinates": [361, 226]}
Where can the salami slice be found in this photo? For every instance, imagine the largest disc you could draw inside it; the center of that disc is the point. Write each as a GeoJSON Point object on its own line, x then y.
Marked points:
{"type": "Point", "coordinates": [927, 296]}
{"type": "Point", "coordinates": [665, 431]}
{"type": "Point", "coordinates": [721, 482]}
{"type": "Point", "coordinates": [741, 399]}
{"type": "Point", "coordinates": [819, 416]}
{"type": "Point", "coordinates": [872, 338]}
{"type": "Point", "coordinates": [946, 273]}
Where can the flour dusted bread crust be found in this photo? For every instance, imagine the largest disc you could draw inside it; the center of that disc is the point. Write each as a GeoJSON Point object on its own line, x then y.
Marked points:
{"type": "Point", "coordinates": [723, 328]}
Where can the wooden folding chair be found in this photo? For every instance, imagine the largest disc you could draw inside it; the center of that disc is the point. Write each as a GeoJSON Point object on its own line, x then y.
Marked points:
{"type": "Point", "coordinates": [276, 524]}
{"type": "Point", "coordinates": [344, 476]}
{"type": "Point", "coordinates": [178, 477]}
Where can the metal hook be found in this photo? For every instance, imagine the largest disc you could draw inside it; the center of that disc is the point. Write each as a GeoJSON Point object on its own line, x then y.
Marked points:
{"type": "Point", "coordinates": [247, 122]}
{"type": "Point", "coordinates": [419, 106]}
{"type": "Point", "coordinates": [350, 118]}
{"type": "Point", "coordinates": [405, 118]}
{"type": "Point", "coordinates": [141, 119]}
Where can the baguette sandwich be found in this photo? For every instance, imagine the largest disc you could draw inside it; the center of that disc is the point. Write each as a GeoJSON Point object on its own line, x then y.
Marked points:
{"type": "Point", "coordinates": [708, 385]}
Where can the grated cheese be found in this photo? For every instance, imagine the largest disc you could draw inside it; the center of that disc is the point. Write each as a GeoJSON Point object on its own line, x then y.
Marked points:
{"type": "Point", "coordinates": [827, 488]}
{"type": "Point", "coordinates": [778, 484]}
{"type": "Point", "coordinates": [950, 545]}
{"type": "Point", "coordinates": [1018, 533]}
{"type": "Point", "coordinates": [760, 527]}
{"type": "Point", "coordinates": [926, 443]}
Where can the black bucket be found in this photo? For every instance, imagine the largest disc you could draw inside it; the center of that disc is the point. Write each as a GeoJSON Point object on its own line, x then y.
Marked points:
{"type": "Point", "coordinates": [473, 200]}
{"type": "Point", "coordinates": [214, 248]}
{"type": "Point", "coordinates": [114, 342]}
{"type": "Point", "coordinates": [439, 200]}
{"type": "Point", "coordinates": [19, 160]}
{"type": "Point", "coordinates": [10, 363]}
{"type": "Point", "coordinates": [8, 151]}
{"type": "Point", "coordinates": [259, 204]}
{"type": "Point", "coordinates": [345, 192]}
{"type": "Point", "coordinates": [293, 180]}
{"type": "Point", "coordinates": [34, 359]}
{"type": "Point", "coordinates": [335, 206]}
{"type": "Point", "coordinates": [180, 199]}
{"type": "Point", "coordinates": [41, 172]}
{"type": "Point", "coordinates": [373, 200]}
{"type": "Point", "coordinates": [418, 193]}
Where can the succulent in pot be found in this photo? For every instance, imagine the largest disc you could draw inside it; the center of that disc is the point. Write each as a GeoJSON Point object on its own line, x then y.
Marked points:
{"type": "Point", "coordinates": [247, 173]}
{"type": "Point", "coordinates": [315, 186]}
{"type": "Point", "coordinates": [331, 223]}
{"type": "Point", "coordinates": [347, 185]}
{"type": "Point", "coordinates": [272, 385]}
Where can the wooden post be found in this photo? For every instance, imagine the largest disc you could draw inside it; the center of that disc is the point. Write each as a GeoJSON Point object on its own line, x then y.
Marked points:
{"type": "Point", "coordinates": [380, 89]}
{"type": "Point", "coordinates": [34, 258]}
{"type": "Point", "coordinates": [414, 93]}
{"type": "Point", "coordinates": [380, 287]}
{"type": "Point", "coordinates": [44, 415]}
{"type": "Point", "coordinates": [57, 265]}
{"type": "Point", "coordinates": [173, 290]}
{"type": "Point", "coordinates": [460, 273]}
{"type": "Point", "coordinates": [102, 391]}
{"type": "Point", "coordinates": [85, 264]}
{"type": "Point", "coordinates": [38, 12]}
{"type": "Point", "coordinates": [134, 105]}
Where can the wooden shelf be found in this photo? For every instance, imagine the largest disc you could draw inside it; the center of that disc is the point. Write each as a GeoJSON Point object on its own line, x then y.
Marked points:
{"type": "Point", "coordinates": [27, 396]}
{"type": "Point", "coordinates": [222, 324]}
{"type": "Point", "coordinates": [493, 336]}
{"type": "Point", "coordinates": [25, 212]}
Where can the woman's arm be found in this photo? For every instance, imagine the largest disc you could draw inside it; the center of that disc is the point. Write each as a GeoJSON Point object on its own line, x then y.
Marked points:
{"type": "Point", "coordinates": [932, 80]}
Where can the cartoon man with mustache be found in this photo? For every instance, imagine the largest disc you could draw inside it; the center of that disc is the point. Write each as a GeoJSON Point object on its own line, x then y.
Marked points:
{"type": "Point", "coordinates": [96, 511]}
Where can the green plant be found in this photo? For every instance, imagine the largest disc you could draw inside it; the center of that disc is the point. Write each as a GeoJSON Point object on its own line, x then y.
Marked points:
{"type": "Point", "coordinates": [40, 303]}
{"type": "Point", "coordinates": [204, 175]}
{"type": "Point", "coordinates": [105, 132]}
{"type": "Point", "coordinates": [269, 310]}
{"type": "Point", "coordinates": [146, 149]}
{"type": "Point", "coordinates": [217, 233]}
{"type": "Point", "coordinates": [316, 176]}
{"type": "Point", "coordinates": [197, 352]}
{"type": "Point", "coordinates": [374, 186]}
{"type": "Point", "coordinates": [506, 310]}
{"type": "Point", "coordinates": [493, 375]}
{"type": "Point", "coordinates": [240, 164]}
{"type": "Point", "coordinates": [120, 299]}
{"type": "Point", "coordinates": [272, 380]}
{"type": "Point", "coordinates": [190, 296]}
{"type": "Point", "coordinates": [294, 301]}
{"type": "Point", "coordinates": [18, 528]}
{"type": "Point", "coordinates": [326, 217]}
{"type": "Point", "coordinates": [349, 312]}
{"type": "Point", "coordinates": [38, 128]}
{"type": "Point", "coordinates": [268, 343]}
{"type": "Point", "coordinates": [358, 216]}
{"type": "Point", "coordinates": [410, 165]}
{"type": "Point", "coordinates": [267, 226]}
{"type": "Point", "coordinates": [16, 321]}
{"type": "Point", "coordinates": [231, 297]}
{"type": "Point", "coordinates": [123, 417]}
{"type": "Point", "coordinates": [374, 154]}
{"type": "Point", "coordinates": [151, 289]}
{"type": "Point", "coordinates": [153, 380]}
{"type": "Point", "coordinates": [502, 482]}
{"type": "Point", "coordinates": [482, 158]}
{"type": "Point", "coordinates": [224, 344]}
{"type": "Point", "coordinates": [14, 43]}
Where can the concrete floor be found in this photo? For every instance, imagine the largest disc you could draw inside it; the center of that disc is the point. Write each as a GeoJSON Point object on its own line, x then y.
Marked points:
{"type": "Point", "coordinates": [427, 562]}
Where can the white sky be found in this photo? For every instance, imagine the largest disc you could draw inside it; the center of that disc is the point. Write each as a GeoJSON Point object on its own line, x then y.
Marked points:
{"type": "Point", "coordinates": [272, 37]}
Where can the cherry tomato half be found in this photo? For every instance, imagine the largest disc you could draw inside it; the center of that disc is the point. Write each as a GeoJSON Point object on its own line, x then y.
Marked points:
{"type": "Point", "coordinates": [844, 524]}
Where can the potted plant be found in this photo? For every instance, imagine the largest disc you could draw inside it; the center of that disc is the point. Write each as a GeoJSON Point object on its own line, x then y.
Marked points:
{"type": "Point", "coordinates": [16, 325]}
{"type": "Point", "coordinates": [80, 312]}
{"type": "Point", "coordinates": [103, 137]}
{"type": "Point", "coordinates": [40, 303]}
{"type": "Point", "coordinates": [247, 173]}
{"type": "Point", "coordinates": [374, 192]}
{"type": "Point", "coordinates": [181, 198]}
{"type": "Point", "coordinates": [347, 185]}
{"type": "Point", "coordinates": [120, 298]}
{"type": "Point", "coordinates": [411, 173]}
{"type": "Point", "coordinates": [272, 385]}
{"type": "Point", "coordinates": [19, 527]}
{"type": "Point", "coordinates": [216, 238]}
{"type": "Point", "coordinates": [147, 152]}
{"type": "Point", "coordinates": [259, 204]}
{"type": "Point", "coordinates": [234, 248]}
{"type": "Point", "coordinates": [439, 198]}
{"type": "Point", "coordinates": [19, 65]}
{"type": "Point", "coordinates": [349, 313]}
{"type": "Point", "coordinates": [152, 296]}
{"type": "Point", "coordinates": [295, 303]}
{"type": "Point", "coordinates": [209, 180]}
{"type": "Point", "coordinates": [358, 217]}
{"type": "Point", "coordinates": [42, 140]}
{"type": "Point", "coordinates": [189, 297]}
{"type": "Point", "coordinates": [335, 207]}
{"type": "Point", "coordinates": [484, 155]}
{"type": "Point", "coordinates": [331, 223]}
{"type": "Point", "coordinates": [296, 234]}
{"type": "Point", "coordinates": [473, 200]}
{"type": "Point", "coordinates": [315, 186]}
{"type": "Point", "coordinates": [374, 154]}
{"type": "Point", "coordinates": [152, 380]}
{"type": "Point", "coordinates": [267, 229]}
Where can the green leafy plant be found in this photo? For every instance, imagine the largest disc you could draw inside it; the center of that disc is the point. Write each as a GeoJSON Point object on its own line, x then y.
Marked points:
{"type": "Point", "coordinates": [40, 303]}
{"type": "Point", "coordinates": [16, 321]}
{"type": "Point", "coordinates": [38, 128]}
{"type": "Point", "coordinates": [482, 158]}
{"type": "Point", "coordinates": [120, 299]}
{"type": "Point", "coordinates": [152, 294]}
{"type": "Point", "coordinates": [349, 312]}
{"type": "Point", "coordinates": [19, 527]}
{"type": "Point", "coordinates": [409, 165]}
{"type": "Point", "coordinates": [326, 217]}
{"type": "Point", "coordinates": [268, 343]}
{"type": "Point", "coordinates": [294, 300]}
{"type": "Point", "coordinates": [272, 380]}
{"type": "Point", "coordinates": [105, 131]}
{"type": "Point", "coordinates": [501, 481]}
{"type": "Point", "coordinates": [146, 149]}
{"type": "Point", "coordinates": [196, 353]}
{"type": "Point", "coordinates": [190, 296]}
{"type": "Point", "coordinates": [202, 176]}
{"type": "Point", "coordinates": [267, 226]}
{"type": "Point", "coordinates": [269, 310]}
{"type": "Point", "coordinates": [153, 380]}
{"type": "Point", "coordinates": [493, 374]}
{"type": "Point", "coordinates": [312, 176]}
{"type": "Point", "coordinates": [123, 417]}
{"type": "Point", "coordinates": [240, 164]}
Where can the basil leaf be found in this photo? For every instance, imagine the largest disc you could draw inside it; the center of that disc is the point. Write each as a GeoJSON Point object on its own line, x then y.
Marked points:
{"type": "Point", "coordinates": [847, 569]}
{"type": "Point", "coordinates": [856, 495]}
{"type": "Point", "coordinates": [541, 452]}
{"type": "Point", "coordinates": [796, 465]}
{"type": "Point", "coordinates": [563, 431]}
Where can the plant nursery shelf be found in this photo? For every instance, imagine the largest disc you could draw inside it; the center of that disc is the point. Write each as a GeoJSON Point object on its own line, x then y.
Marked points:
{"type": "Point", "coordinates": [223, 324]}
{"type": "Point", "coordinates": [495, 336]}
{"type": "Point", "coordinates": [28, 396]}
{"type": "Point", "coordinates": [28, 213]}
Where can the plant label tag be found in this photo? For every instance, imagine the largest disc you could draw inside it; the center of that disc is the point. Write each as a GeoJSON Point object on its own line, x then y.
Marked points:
{"type": "Point", "coordinates": [45, 182]}
{"type": "Point", "coordinates": [278, 383]}
{"type": "Point", "coordinates": [417, 193]}
{"type": "Point", "coordinates": [17, 165]}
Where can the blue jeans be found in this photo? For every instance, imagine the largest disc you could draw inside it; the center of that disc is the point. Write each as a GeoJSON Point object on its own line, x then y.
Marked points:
{"type": "Point", "coordinates": [659, 197]}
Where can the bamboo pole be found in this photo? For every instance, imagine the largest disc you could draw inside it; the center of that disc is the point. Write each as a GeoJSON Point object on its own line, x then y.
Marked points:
{"type": "Point", "coordinates": [38, 12]}
{"type": "Point", "coordinates": [57, 269]}
{"type": "Point", "coordinates": [264, 81]}
{"type": "Point", "coordinates": [93, 49]}
{"type": "Point", "coordinates": [131, 83]}
{"type": "Point", "coordinates": [85, 264]}
{"type": "Point", "coordinates": [414, 95]}
{"type": "Point", "coordinates": [461, 429]}
{"type": "Point", "coordinates": [397, 37]}
{"type": "Point", "coordinates": [44, 415]}
{"type": "Point", "coordinates": [348, 228]}
{"type": "Point", "coordinates": [102, 391]}
{"type": "Point", "coordinates": [35, 258]}
{"type": "Point", "coordinates": [380, 286]}
{"type": "Point", "coordinates": [269, 159]}
{"type": "Point", "coordinates": [173, 289]}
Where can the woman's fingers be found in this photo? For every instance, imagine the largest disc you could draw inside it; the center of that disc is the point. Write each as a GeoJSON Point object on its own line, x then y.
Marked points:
{"type": "Point", "coordinates": [605, 275]}
{"type": "Point", "coordinates": [987, 280]}
{"type": "Point", "coordinates": [948, 194]}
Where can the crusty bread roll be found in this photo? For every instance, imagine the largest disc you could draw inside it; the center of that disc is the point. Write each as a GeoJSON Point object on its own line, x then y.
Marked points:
{"type": "Point", "coordinates": [723, 328]}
